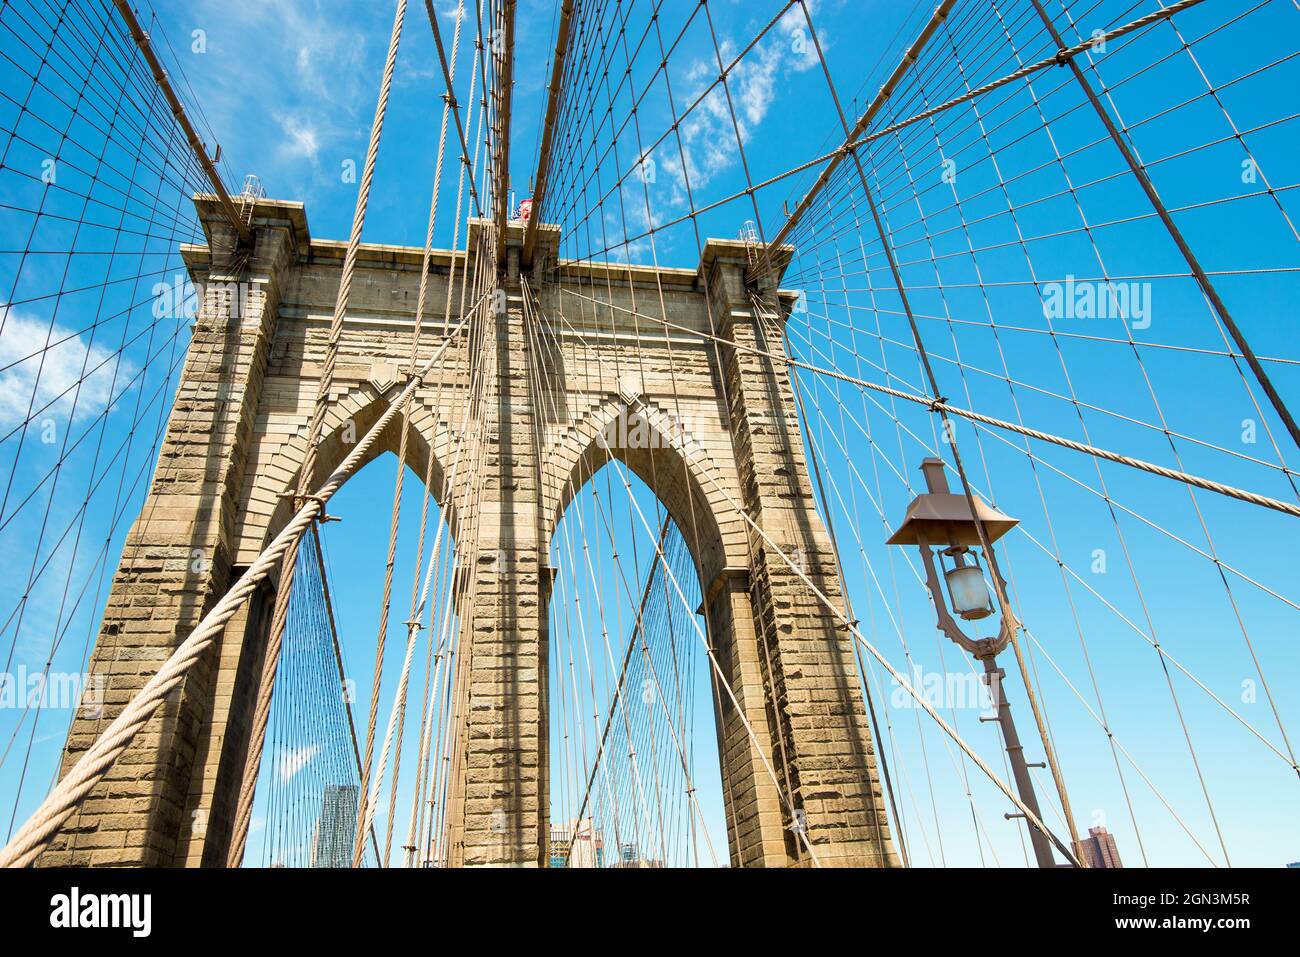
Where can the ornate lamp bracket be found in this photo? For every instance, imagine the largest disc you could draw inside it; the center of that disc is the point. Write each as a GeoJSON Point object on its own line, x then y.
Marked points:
{"type": "Point", "coordinates": [979, 647]}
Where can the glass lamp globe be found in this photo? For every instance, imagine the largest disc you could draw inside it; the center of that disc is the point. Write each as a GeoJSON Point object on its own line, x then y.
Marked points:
{"type": "Point", "coordinates": [970, 593]}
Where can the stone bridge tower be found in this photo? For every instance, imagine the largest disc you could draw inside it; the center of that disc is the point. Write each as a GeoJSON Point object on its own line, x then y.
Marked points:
{"type": "Point", "coordinates": [232, 447]}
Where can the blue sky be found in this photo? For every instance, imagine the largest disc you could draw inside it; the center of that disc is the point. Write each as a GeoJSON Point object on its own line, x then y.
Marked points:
{"type": "Point", "coordinates": [288, 89]}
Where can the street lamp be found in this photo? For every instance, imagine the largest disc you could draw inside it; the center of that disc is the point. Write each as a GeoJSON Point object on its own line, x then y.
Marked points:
{"type": "Point", "coordinates": [940, 519]}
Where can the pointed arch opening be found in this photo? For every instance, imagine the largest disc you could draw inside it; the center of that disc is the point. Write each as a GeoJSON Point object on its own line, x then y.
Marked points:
{"type": "Point", "coordinates": [667, 453]}
{"type": "Point", "coordinates": [634, 770]}
{"type": "Point", "coordinates": [347, 422]}
{"type": "Point", "coordinates": [307, 800]}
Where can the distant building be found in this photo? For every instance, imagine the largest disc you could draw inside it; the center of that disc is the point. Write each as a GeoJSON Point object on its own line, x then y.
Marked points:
{"type": "Point", "coordinates": [628, 857]}
{"type": "Point", "coordinates": [576, 844]}
{"type": "Point", "coordinates": [559, 846]}
{"type": "Point", "coordinates": [336, 832]}
{"type": "Point", "coordinates": [1099, 848]}
{"type": "Point", "coordinates": [1294, 864]}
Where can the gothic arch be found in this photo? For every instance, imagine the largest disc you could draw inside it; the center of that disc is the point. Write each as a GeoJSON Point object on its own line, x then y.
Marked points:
{"type": "Point", "coordinates": [267, 507]}
{"type": "Point", "coordinates": [675, 466]}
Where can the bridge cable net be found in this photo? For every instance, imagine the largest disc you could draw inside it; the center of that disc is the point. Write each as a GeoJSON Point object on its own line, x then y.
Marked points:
{"type": "Point", "coordinates": [307, 794]}
{"type": "Point", "coordinates": [625, 668]}
{"type": "Point", "coordinates": [96, 312]}
{"type": "Point", "coordinates": [1012, 257]}
{"type": "Point", "coordinates": [999, 185]}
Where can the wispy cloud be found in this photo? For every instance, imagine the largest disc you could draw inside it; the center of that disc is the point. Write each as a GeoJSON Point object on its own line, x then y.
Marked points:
{"type": "Point", "coordinates": [709, 133]}
{"type": "Point", "coordinates": [48, 370]}
{"type": "Point", "coordinates": [301, 138]}
{"type": "Point", "coordinates": [292, 760]}
{"type": "Point", "coordinates": [284, 83]}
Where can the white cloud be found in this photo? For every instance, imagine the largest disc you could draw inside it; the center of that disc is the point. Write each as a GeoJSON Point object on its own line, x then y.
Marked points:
{"type": "Point", "coordinates": [292, 760]}
{"type": "Point", "coordinates": [789, 50]}
{"type": "Point", "coordinates": [708, 134]}
{"type": "Point", "coordinates": [302, 139]}
{"type": "Point", "coordinates": [41, 366]}
{"type": "Point", "coordinates": [287, 85]}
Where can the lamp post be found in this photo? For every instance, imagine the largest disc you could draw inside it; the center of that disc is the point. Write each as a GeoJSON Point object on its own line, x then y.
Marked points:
{"type": "Point", "coordinates": [940, 519]}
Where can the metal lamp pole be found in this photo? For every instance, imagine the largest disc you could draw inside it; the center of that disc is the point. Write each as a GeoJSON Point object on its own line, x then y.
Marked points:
{"type": "Point", "coordinates": [938, 518]}
{"type": "Point", "coordinates": [993, 676]}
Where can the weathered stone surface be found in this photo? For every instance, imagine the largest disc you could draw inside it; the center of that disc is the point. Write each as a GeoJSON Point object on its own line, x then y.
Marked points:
{"type": "Point", "coordinates": [711, 428]}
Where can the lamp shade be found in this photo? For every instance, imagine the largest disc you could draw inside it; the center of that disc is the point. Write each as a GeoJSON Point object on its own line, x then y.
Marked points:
{"type": "Point", "coordinates": [945, 519]}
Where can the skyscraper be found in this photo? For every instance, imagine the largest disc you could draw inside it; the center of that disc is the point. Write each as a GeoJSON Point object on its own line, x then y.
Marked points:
{"type": "Point", "coordinates": [1099, 848]}
{"type": "Point", "coordinates": [337, 829]}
